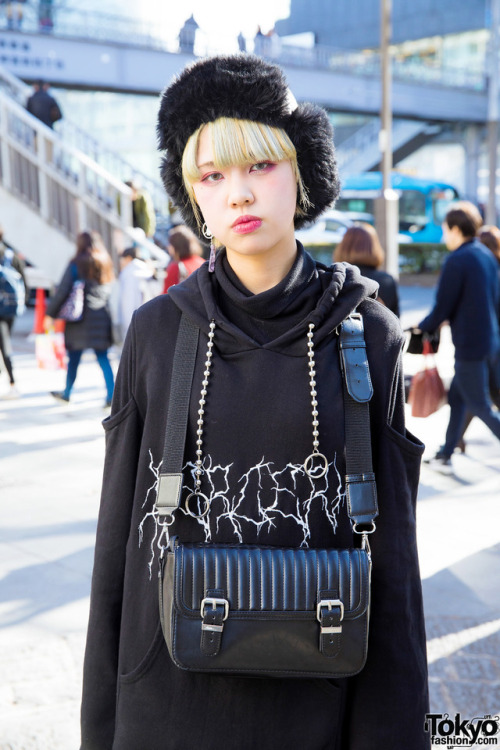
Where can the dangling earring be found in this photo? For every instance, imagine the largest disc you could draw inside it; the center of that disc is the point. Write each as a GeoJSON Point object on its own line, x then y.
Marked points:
{"type": "Point", "coordinates": [209, 236]}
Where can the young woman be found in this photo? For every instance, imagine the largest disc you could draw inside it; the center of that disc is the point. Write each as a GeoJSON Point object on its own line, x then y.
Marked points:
{"type": "Point", "coordinates": [186, 252]}
{"type": "Point", "coordinates": [249, 165]}
{"type": "Point", "coordinates": [361, 246]}
{"type": "Point", "coordinates": [91, 264]}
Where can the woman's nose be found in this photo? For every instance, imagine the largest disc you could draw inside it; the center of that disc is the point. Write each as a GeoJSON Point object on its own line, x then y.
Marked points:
{"type": "Point", "coordinates": [240, 193]}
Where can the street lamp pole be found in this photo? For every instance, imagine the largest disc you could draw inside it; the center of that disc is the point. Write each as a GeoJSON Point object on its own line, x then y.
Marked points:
{"type": "Point", "coordinates": [386, 206]}
{"type": "Point", "coordinates": [491, 209]}
{"type": "Point", "coordinates": [386, 110]}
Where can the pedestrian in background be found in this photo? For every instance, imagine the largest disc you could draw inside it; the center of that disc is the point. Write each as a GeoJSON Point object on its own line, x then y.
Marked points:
{"type": "Point", "coordinates": [186, 253]}
{"type": "Point", "coordinates": [143, 210]}
{"type": "Point", "coordinates": [46, 16]}
{"type": "Point", "coordinates": [135, 286]}
{"type": "Point", "coordinates": [242, 42]}
{"type": "Point", "coordinates": [361, 246]}
{"type": "Point", "coordinates": [14, 259]}
{"type": "Point", "coordinates": [15, 13]}
{"type": "Point", "coordinates": [187, 36]}
{"type": "Point", "coordinates": [6, 324]}
{"type": "Point", "coordinates": [43, 106]}
{"type": "Point", "coordinates": [490, 237]}
{"type": "Point", "coordinates": [13, 295]}
{"type": "Point", "coordinates": [7, 317]}
{"type": "Point", "coordinates": [467, 296]}
{"type": "Point", "coordinates": [259, 42]}
{"type": "Point", "coordinates": [91, 264]}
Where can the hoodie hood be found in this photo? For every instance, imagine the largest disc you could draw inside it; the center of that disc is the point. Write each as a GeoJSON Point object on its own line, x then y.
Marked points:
{"type": "Point", "coordinates": [341, 290]}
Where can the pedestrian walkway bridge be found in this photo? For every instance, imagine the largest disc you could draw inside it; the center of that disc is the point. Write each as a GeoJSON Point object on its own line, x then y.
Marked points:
{"type": "Point", "coordinates": [91, 50]}
{"type": "Point", "coordinates": [55, 184]}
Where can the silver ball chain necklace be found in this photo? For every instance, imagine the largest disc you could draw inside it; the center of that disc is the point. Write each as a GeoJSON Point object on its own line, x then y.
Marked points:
{"type": "Point", "coordinates": [315, 465]}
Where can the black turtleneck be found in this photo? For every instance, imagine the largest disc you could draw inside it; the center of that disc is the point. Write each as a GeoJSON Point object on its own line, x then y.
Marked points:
{"type": "Point", "coordinates": [266, 316]}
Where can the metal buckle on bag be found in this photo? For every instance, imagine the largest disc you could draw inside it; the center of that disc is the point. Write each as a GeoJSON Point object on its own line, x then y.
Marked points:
{"type": "Point", "coordinates": [214, 602]}
{"type": "Point", "coordinates": [330, 603]}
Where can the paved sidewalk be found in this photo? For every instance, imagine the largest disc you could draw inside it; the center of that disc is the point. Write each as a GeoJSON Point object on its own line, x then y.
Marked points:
{"type": "Point", "coordinates": [50, 471]}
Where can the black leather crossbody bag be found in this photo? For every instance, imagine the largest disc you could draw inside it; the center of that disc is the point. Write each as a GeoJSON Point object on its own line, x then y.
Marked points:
{"type": "Point", "coordinates": [268, 611]}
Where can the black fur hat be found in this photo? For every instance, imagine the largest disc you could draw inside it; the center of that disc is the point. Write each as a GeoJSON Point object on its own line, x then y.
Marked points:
{"type": "Point", "coordinates": [245, 87]}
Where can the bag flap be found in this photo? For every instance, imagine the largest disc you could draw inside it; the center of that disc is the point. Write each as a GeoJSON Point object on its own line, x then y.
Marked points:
{"type": "Point", "coordinates": [279, 582]}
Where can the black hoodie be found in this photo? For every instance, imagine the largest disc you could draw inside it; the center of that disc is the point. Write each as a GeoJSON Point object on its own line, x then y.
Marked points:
{"type": "Point", "coordinates": [257, 434]}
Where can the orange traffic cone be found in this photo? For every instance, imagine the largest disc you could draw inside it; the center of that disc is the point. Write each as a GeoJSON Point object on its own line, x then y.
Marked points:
{"type": "Point", "coordinates": [39, 311]}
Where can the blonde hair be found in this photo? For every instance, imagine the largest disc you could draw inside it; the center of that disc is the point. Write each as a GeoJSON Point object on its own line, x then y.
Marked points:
{"type": "Point", "coordinates": [238, 142]}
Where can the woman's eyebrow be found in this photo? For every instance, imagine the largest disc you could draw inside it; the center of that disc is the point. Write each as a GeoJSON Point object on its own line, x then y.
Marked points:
{"type": "Point", "coordinates": [206, 164]}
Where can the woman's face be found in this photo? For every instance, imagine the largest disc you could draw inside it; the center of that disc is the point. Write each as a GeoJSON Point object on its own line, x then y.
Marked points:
{"type": "Point", "coordinates": [249, 209]}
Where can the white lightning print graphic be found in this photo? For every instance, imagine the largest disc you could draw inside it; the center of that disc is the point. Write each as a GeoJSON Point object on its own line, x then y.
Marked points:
{"type": "Point", "coordinates": [287, 493]}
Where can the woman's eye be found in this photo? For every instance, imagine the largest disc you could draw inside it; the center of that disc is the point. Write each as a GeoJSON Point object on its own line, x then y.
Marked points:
{"type": "Point", "coordinates": [212, 177]}
{"type": "Point", "coordinates": [261, 166]}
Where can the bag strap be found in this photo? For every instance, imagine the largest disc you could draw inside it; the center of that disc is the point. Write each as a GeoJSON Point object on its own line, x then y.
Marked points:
{"type": "Point", "coordinates": [170, 480]}
{"type": "Point", "coordinates": [361, 489]}
{"type": "Point", "coordinates": [358, 390]}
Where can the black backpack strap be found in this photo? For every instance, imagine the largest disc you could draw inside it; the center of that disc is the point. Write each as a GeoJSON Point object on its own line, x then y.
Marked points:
{"type": "Point", "coordinates": [358, 389]}
{"type": "Point", "coordinates": [170, 480]}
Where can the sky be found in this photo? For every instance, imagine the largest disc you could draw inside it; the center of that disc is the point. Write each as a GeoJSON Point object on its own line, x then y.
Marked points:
{"type": "Point", "coordinates": [219, 19]}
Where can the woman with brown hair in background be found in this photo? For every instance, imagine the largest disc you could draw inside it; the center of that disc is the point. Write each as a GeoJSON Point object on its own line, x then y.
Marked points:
{"type": "Point", "coordinates": [186, 253]}
{"type": "Point", "coordinates": [93, 265]}
{"type": "Point", "coordinates": [488, 235]}
{"type": "Point", "coordinates": [361, 246]}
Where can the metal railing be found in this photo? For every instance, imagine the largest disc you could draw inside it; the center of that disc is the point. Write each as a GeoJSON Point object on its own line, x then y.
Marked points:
{"type": "Point", "coordinates": [63, 185]}
{"type": "Point", "coordinates": [80, 23]}
{"type": "Point", "coordinates": [358, 142]}
{"type": "Point", "coordinates": [90, 24]}
{"type": "Point", "coordinates": [85, 143]}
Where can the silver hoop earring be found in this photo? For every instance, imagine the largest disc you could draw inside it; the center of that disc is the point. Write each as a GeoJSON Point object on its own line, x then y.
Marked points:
{"type": "Point", "coordinates": [206, 232]}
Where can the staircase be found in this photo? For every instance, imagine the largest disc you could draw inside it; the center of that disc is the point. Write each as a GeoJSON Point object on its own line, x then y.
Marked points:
{"type": "Point", "coordinates": [54, 185]}
{"type": "Point", "coordinates": [361, 151]}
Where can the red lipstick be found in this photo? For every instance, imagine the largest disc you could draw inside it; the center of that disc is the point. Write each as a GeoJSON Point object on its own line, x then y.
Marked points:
{"type": "Point", "coordinates": [246, 224]}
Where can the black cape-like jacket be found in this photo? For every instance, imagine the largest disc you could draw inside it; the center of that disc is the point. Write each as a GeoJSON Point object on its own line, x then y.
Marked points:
{"type": "Point", "coordinates": [257, 434]}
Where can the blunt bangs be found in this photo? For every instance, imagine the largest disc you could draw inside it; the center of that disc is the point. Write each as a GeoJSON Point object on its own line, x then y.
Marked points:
{"type": "Point", "coordinates": [236, 143]}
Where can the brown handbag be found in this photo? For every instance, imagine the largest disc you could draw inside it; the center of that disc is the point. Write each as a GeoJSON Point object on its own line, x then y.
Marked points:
{"type": "Point", "coordinates": [427, 391]}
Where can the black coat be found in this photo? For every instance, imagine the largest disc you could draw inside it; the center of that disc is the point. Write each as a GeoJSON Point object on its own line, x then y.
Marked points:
{"type": "Point", "coordinates": [387, 286]}
{"type": "Point", "coordinates": [94, 330]}
{"type": "Point", "coordinates": [257, 436]}
{"type": "Point", "coordinates": [44, 107]}
{"type": "Point", "coordinates": [468, 295]}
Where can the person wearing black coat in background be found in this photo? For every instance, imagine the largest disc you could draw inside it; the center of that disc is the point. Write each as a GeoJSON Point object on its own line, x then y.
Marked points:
{"type": "Point", "coordinates": [91, 264]}
{"type": "Point", "coordinates": [467, 296]}
{"type": "Point", "coordinates": [361, 246]}
{"type": "Point", "coordinates": [43, 106]}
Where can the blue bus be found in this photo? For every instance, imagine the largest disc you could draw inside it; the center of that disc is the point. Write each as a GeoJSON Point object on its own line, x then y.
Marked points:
{"type": "Point", "coordinates": [422, 203]}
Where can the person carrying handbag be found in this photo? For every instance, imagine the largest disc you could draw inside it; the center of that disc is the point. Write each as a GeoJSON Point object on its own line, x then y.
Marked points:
{"type": "Point", "coordinates": [468, 296]}
{"type": "Point", "coordinates": [82, 299]}
{"type": "Point", "coordinates": [225, 518]}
